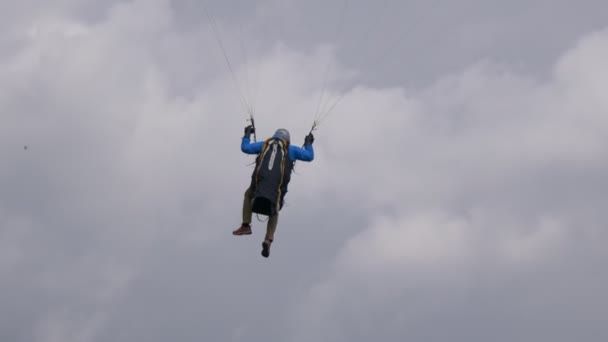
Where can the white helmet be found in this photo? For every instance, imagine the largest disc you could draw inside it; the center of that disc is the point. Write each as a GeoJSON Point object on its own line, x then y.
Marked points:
{"type": "Point", "coordinates": [282, 133]}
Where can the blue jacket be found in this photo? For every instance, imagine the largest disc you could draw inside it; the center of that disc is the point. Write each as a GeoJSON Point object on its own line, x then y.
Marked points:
{"type": "Point", "coordinates": [295, 153]}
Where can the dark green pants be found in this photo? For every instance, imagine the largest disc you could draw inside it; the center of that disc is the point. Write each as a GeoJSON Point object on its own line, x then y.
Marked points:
{"type": "Point", "coordinates": [271, 227]}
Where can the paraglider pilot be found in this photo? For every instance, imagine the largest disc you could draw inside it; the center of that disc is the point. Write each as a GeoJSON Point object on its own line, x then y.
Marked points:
{"type": "Point", "coordinates": [272, 173]}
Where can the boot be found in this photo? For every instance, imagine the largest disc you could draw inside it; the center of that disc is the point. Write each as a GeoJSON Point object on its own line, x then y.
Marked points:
{"type": "Point", "coordinates": [244, 229]}
{"type": "Point", "coordinates": [266, 248]}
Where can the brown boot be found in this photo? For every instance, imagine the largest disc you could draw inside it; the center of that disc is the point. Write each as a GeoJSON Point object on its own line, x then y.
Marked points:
{"type": "Point", "coordinates": [244, 229]}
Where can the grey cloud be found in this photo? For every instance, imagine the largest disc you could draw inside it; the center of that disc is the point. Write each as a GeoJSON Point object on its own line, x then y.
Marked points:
{"type": "Point", "coordinates": [480, 203]}
{"type": "Point", "coordinates": [520, 173]}
{"type": "Point", "coordinates": [415, 43]}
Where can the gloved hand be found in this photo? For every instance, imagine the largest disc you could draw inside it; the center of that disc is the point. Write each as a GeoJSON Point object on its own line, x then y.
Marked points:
{"type": "Point", "coordinates": [309, 139]}
{"type": "Point", "coordinates": [248, 130]}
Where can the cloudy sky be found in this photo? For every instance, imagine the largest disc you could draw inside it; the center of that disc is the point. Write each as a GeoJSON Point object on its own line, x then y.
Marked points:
{"type": "Point", "coordinates": [458, 192]}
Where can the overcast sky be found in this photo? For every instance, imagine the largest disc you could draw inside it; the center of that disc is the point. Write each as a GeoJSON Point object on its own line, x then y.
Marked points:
{"type": "Point", "coordinates": [458, 193]}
